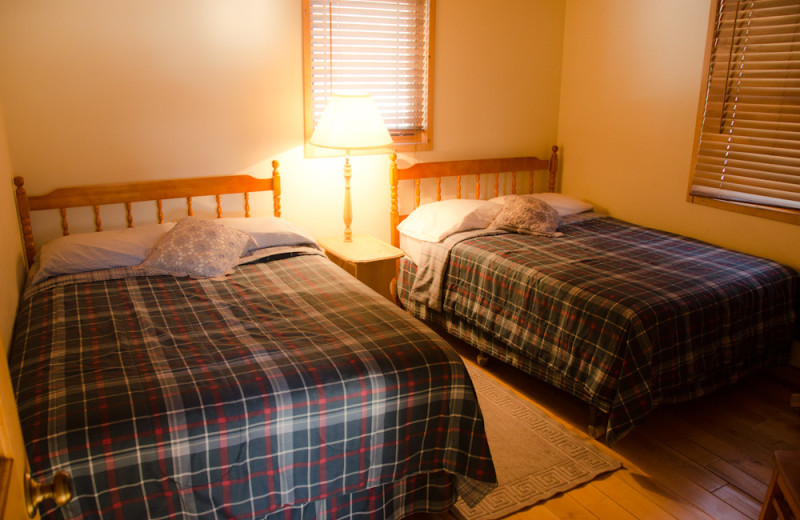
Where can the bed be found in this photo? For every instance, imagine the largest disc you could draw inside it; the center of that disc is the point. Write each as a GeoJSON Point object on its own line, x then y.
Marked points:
{"type": "Point", "coordinates": [621, 316]}
{"type": "Point", "coordinates": [271, 386]}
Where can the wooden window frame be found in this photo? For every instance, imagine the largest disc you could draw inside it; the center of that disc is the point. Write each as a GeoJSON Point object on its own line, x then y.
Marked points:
{"type": "Point", "coordinates": [787, 215]}
{"type": "Point", "coordinates": [419, 140]}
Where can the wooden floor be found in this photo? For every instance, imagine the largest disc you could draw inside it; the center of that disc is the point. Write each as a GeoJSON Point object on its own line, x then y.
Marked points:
{"type": "Point", "coordinates": [710, 458]}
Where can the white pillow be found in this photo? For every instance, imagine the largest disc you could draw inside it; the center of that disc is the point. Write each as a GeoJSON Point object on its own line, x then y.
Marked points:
{"type": "Point", "coordinates": [94, 251]}
{"type": "Point", "coordinates": [435, 221]}
{"type": "Point", "coordinates": [563, 204]}
{"type": "Point", "coordinates": [270, 232]}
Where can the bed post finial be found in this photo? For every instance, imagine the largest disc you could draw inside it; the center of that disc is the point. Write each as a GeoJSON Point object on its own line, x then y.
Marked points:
{"type": "Point", "coordinates": [553, 169]}
{"type": "Point", "coordinates": [395, 213]}
{"type": "Point", "coordinates": [25, 220]}
{"type": "Point", "coordinates": [276, 189]}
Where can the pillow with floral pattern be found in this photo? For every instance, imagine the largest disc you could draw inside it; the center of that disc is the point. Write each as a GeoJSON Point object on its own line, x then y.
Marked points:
{"type": "Point", "coordinates": [528, 215]}
{"type": "Point", "coordinates": [197, 248]}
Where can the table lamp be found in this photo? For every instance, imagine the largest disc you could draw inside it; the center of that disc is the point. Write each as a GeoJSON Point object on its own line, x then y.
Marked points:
{"type": "Point", "coordinates": [350, 122]}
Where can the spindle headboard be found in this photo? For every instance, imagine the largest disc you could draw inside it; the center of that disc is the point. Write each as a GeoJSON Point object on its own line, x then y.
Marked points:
{"type": "Point", "coordinates": [97, 195]}
{"type": "Point", "coordinates": [459, 169]}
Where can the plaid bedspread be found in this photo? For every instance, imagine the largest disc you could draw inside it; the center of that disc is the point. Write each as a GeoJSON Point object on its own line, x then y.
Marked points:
{"type": "Point", "coordinates": [286, 390]}
{"type": "Point", "coordinates": [621, 316]}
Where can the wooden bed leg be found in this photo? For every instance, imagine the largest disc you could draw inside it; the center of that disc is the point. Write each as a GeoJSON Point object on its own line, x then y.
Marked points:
{"type": "Point", "coordinates": [483, 359]}
{"type": "Point", "coordinates": [597, 423]}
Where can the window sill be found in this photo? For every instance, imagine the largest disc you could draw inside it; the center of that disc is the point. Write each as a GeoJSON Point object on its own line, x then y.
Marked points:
{"type": "Point", "coordinates": [788, 216]}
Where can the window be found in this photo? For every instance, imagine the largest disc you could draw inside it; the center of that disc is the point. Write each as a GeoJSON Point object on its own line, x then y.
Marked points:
{"type": "Point", "coordinates": [381, 47]}
{"type": "Point", "coordinates": [748, 139]}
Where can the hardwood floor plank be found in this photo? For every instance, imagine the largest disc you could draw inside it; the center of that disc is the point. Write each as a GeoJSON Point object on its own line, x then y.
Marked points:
{"type": "Point", "coordinates": [712, 435]}
{"type": "Point", "coordinates": [662, 496]}
{"type": "Point", "coordinates": [739, 500]}
{"type": "Point", "coordinates": [631, 499]}
{"type": "Point", "coordinates": [771, 405]}
{"type": "Point", "coordinates": [683, 477]}
{"type": "Point", "coordinates": [752, 412]}
{"type": "Point", "coordinates": [600, 504]}
{"type": "Point", "coordinates": [564, 506]}
{"type": "Point", "coordinates": [780, 435]}
{"type": "Point", "coordinates": [768, 434]}
{"type": "Point", "coordinates": [673, 435]}
{"type": "Point", "coordinates": [748, 484]}
{"type": "Point", "coordinates": [746, 454]}
{"type": "Point", "coordinates": [657, 458]}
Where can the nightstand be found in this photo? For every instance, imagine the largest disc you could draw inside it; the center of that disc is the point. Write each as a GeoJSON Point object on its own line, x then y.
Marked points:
{"type": "Point", "coordinates": [368, 259]}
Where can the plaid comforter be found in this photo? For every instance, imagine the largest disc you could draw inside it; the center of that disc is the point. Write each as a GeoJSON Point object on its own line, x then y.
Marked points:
{"type": "Point", "coordinates": [621, 316]}
{"type": "Point", "coordinates": [285, 390]}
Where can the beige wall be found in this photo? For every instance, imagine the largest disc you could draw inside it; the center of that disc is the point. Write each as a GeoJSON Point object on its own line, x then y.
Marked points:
{"type": "Point", "coordinates": [11, 278]}
{"type": "Point", "coordinates": [98, 90]}
{"type": "Point", "coordinates": [12, 267]}
{"type": "Point", "coordinates": [629, 94]}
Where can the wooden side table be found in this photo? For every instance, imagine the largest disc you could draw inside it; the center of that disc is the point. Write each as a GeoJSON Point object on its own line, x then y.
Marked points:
{"type": "Point", "coordinates": [370, 260]}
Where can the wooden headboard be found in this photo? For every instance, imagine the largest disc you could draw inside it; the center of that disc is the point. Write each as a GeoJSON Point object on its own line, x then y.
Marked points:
{"type": "Point", "coordinates": [97, 195]}
{"type": "Point", "coordinates": [459, 169]}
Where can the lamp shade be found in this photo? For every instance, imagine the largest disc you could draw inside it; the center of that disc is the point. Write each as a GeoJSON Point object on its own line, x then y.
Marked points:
{"type": "Point", "coordinates": [351, 122]}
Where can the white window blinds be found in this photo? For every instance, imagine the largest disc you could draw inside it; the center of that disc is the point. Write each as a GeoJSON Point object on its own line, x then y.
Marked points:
{"type": "Point", "coordinates": [380, 47]}
{"type": "Point", "coordinates": [749, 149]}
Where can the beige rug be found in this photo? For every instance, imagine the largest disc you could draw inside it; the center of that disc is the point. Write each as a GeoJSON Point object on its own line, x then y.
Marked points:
{"type": "Point", "coordinates": [535, 457]}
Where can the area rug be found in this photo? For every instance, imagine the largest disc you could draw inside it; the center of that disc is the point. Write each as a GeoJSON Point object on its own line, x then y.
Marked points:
{"type": "Point", "coordinates": [535, 457]}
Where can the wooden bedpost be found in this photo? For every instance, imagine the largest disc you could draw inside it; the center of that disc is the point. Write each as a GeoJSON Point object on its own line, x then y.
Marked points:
{"type": "Point", "coordinates": [98, 223]}
{"type": "Point", "coordinates": [25, 220]}
{"type": "Point", "coordinates": [64, 221]}
{"type": "Point", "coordinates": [553, 169]}
{"type": "Point", "coordinates": [395, 213]}
{"type": "Point", "coordinates": [128, 214]}
{"type": "Point", "coordinates": [276, 189]}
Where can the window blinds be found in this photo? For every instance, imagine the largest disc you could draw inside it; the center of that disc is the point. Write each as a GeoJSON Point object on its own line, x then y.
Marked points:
{"type": "Point", "coordinates": [749, 149]}
{"type": "Point", "coordinates": [379, 47]}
